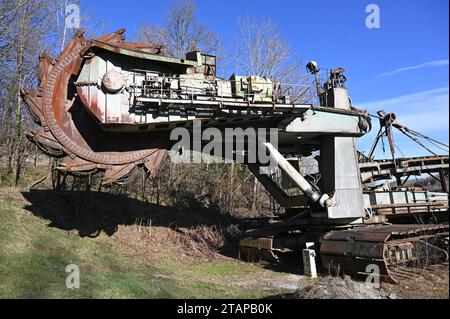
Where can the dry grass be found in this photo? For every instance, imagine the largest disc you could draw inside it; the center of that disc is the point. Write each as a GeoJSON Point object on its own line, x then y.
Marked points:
{"type": "Point", "coordinates": [202, 242]}
{"type": "Point", "coordinates": [430, 285]}
{"type": "Point", "coordinates": [135, 261]}
{"type": "Point", "coordinates": [330, 287]}
{"type": "Point", "coordinates": [189, 245]}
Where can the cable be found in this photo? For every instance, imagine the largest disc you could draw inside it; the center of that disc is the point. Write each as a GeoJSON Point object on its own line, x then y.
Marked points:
{"type": "Point", "coordinates": [408, 132]}
{"type": "Point", "coordinates": [430, 140]}
{"type": "Point", "coordinates": [426, 137]}
{"type": "Point", "coordinates": [375, 116]}
{"type": "Point", "coordinates": [418, 142]}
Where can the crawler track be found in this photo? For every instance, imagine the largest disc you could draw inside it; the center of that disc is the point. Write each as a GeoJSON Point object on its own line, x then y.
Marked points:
{"type": "Point", "coordinates": [395, 252]}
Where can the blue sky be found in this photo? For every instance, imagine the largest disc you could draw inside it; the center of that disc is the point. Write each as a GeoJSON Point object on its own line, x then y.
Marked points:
{"type": "Point", "coordinates": [401, 67]}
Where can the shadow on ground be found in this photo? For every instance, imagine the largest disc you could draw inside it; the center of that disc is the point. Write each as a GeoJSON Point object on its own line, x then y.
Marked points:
{"type": "Point", "coordinates": [93, 212]}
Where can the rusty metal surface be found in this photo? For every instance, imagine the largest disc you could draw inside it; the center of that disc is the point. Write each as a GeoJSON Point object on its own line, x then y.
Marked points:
{"type": "Point", "coordinates": [92, 127]}
{"type": "Point", "coordinates": [68, 133]}
{"type": "Point", "coordinates": [118, 38]}
{"type": "Point", "coordinates": [374, 170]}
{"type": "Point", "coordinates": [397, 251]}
{"type": "Point", "coordinates": [384, 232]}
{"type": "Point", "coordinates": [394, 249]}
{"type": "Point", "coordinates": [71, 127]}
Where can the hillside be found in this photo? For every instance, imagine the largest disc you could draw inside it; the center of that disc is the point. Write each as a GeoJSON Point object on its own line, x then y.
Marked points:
{"type": "Point", "coordinates": [42, 231]}
{"type": "Point", "coordinates": [34, 256]}
{"type": "Point", "coordinates": [126, 248]}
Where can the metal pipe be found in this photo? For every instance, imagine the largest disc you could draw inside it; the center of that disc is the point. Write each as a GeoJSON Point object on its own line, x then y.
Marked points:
{"type": "Point", "coordinates": [323, 199]}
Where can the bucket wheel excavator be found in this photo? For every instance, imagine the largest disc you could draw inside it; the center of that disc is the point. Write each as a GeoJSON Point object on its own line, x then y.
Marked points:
{"type": "Point", "coordinates": [108, 106]}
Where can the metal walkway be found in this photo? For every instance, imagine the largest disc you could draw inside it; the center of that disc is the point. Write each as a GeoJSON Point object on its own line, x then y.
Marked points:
{"type": "Point", "coordinates": [385, 169]}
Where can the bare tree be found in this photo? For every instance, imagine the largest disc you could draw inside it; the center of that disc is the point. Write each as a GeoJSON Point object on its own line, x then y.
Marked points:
{"type": "Point", "coordinates": [24, 23]}
{"type": "Point", "coordinates": [181, 32]}
{"type": "Point", "coordinates": [58, 32]}
{"type": "Point", "coordinates": [260, 50]}
{"type": "Point", "coordinates": [27, 28]}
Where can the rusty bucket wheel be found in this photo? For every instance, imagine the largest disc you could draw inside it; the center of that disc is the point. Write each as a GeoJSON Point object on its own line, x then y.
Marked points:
{"type": "Point", "coordinates": [59, 136]}
{"type": "Point", "coordinates": [54, 99]}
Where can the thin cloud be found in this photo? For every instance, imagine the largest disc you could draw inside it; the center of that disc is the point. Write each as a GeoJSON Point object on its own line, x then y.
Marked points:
{"type": "Point", "coordinates": [424, 111]}
{"type": "Point", "coordinates": [429, 101]}
{"type": "Point", "coordinates": [418, 66]}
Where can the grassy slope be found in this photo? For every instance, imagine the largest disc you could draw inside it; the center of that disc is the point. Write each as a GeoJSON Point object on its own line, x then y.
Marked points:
{"type": "Point", "coordinates": [33, 258]}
